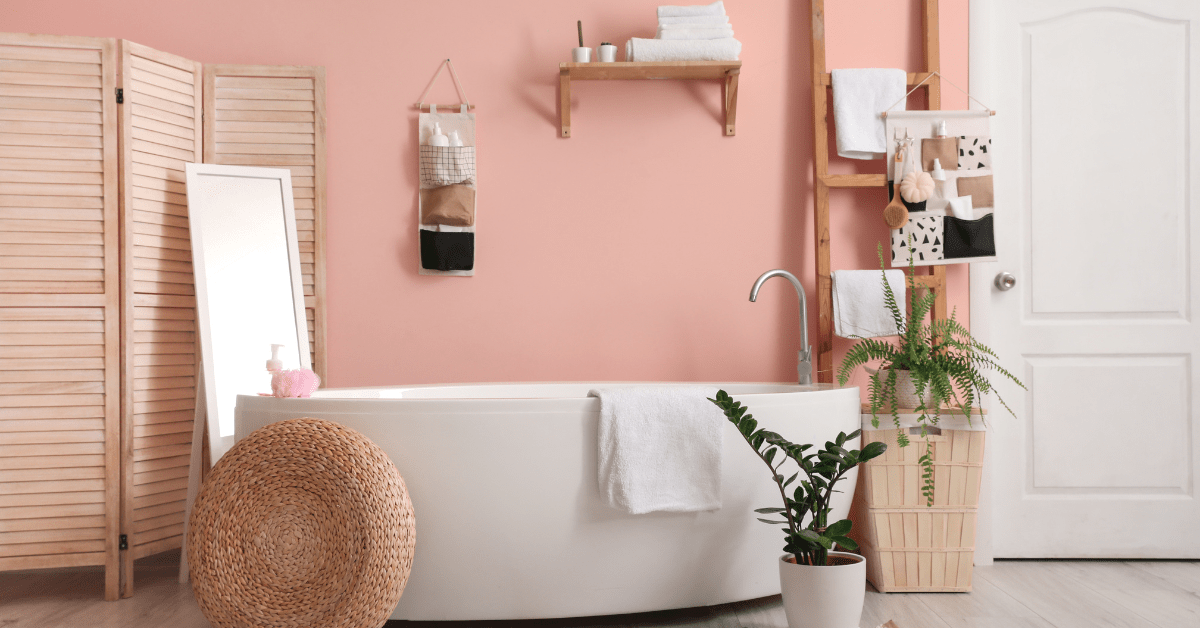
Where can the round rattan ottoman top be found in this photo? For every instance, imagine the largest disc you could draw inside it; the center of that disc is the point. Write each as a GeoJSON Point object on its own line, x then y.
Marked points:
{"type": "Point", "coordinates": [302, 523]}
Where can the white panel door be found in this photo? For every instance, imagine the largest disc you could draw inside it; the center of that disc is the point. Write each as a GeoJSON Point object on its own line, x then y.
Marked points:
{"type": "Point", "coordinates": [1095, 171]}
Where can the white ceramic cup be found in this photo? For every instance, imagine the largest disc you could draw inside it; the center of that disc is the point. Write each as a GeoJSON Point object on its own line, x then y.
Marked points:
{"type": "Point", "coordinates": [608, 53]}
{"type": "Point", "coordinates": [581, 55]}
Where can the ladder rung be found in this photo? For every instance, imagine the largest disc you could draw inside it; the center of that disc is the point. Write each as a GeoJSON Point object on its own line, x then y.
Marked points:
{"type": "Point", "coordinates": [854, 180]}
{"type": "Point", "coordinates": [913, 78]}
{"type": "Point", "coordinates": [926, 281]}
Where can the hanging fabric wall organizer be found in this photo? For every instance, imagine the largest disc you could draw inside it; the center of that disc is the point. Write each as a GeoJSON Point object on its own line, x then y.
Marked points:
{"type": "Point", "coordinates": [446, 200]}
{"type": "Point", "coordinates": [937, 232]}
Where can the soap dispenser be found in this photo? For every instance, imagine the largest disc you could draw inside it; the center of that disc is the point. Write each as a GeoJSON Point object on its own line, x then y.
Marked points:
{"type": "Point", "coordinates": [438, 139]}
{"type": "Point", "coordinates": [275, 365]}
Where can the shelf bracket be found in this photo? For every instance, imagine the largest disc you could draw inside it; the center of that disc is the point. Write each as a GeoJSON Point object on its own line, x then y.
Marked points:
{"type": "Point", "coordinates": [564, 101]}
{"type": "Point", "coordinates": [731, 88]}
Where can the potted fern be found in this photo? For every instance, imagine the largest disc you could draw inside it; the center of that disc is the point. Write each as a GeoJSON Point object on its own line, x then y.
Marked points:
{"type": "Point", "coordinates": [821, 587]}
{"type": "Point", "coordinates": [936, 364]}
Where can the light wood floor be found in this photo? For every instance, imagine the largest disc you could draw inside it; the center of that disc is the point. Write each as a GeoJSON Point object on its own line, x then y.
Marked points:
{"type": "Point", "coordinates": [1009, 594]}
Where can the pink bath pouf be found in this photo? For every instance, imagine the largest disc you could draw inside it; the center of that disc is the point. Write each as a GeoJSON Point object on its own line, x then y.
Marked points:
{"type": "Point", "coordinates": [294, 383]}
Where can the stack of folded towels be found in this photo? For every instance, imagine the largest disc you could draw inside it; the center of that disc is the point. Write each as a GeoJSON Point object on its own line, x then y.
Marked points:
{"type": "Point", "coordinates": [691, 33]}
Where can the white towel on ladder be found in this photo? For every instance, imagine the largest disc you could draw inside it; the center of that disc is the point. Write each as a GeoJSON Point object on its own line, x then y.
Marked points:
{"type": "Point", "coordinates": [859, 96]}
{"type": "Point", "coordinates": [860, 306]}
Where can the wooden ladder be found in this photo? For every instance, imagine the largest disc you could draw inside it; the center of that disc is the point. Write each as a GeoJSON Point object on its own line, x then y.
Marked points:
{"type": "Point", "coordinates": [823, 181]}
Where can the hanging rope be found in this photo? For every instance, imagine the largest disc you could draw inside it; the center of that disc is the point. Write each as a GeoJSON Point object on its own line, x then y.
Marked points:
{"type": "Point", "coordinates": [462, 93]}
{"type": "Point", "coordinates": [931, 75]}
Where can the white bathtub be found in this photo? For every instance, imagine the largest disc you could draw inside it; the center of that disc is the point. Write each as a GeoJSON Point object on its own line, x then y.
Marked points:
{"type": "Point", "coordinates": [509, 519]}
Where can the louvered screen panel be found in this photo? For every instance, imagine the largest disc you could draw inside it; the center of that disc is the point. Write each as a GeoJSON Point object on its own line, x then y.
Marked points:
{"type": "Point", "coordinates": [274, 116]}
{"type": "Point", "coordinates": [59, 310]}
{"type": "Point", "coordinates": [160, 131]}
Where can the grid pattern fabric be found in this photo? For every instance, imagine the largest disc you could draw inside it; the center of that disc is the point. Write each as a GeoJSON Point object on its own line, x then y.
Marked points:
{"type": "Point", "coordinates": [447, 165]}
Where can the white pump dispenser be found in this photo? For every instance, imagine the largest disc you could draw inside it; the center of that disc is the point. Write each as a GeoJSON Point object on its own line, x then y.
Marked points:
{"type": "Point", "coordinates": [275, 365]}
{"type": "Point", "coordinates": [438, 139]}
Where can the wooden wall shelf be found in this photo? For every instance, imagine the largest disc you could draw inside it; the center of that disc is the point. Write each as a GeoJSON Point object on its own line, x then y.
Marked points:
{"type": "Point", "coordinates": [632, 71]}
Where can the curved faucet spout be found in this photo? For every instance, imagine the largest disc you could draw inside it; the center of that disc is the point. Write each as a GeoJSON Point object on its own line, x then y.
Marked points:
{"type": "Point", "coordinates": [804, 362]}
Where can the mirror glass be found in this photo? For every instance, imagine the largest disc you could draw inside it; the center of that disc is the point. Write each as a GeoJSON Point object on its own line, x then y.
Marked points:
{"type": "Point", "coordinates": [248, 284]}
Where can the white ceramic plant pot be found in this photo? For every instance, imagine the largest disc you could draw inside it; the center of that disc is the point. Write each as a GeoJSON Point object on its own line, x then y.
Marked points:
{"type": "Point", "coordinates": [823, 597]}
{"type": "Point", "coordinates": [906, 393]}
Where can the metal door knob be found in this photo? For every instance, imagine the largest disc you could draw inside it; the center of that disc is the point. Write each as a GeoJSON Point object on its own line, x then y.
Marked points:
{"type": "Point", "coordinates": [1005, 281]}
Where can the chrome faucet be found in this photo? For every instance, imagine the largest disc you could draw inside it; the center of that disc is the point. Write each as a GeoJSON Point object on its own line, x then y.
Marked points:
{"type": "Point", "coordinates": [804, 363]}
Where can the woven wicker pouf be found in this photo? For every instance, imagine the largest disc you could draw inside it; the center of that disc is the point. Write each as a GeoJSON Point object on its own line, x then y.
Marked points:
{"type": "Point", "coordinates": [302, 523]}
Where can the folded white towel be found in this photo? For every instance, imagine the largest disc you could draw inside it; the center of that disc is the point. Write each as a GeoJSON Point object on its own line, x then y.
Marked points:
{"type": "Point", "coordinates": [716, 8]}
{"type": "Point", "coordinates": [698, 32]}
{"type": "Point", "coordinates": [694, 20]}
{"type": "Point", "coordinates": [660, 448]}
{"type": "Point", "coordinates": [859, 305]}
{"type": "Point", "coordinates": [638, 49]}
{"type": "Point", "coordinates": [859, 96]}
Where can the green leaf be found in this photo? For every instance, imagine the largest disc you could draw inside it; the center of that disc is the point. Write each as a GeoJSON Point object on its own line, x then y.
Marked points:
{"type": "Point", "coordinates": [810, 536]}
{"type": "Point", "coordinates": [772, 522]}
{"type": "Point", "coordinates": [841, 528]}
{"type": "Point", "coordinates": [845, 542]}
{"type": "Point", "coordinates": [767, 511]}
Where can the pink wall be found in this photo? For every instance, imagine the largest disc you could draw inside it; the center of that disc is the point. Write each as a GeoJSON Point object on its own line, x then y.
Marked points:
{"type": "Point", "coordinates": [625, 252]}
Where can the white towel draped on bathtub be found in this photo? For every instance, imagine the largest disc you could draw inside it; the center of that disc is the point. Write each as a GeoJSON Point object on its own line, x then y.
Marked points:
{"type": "Point", "coordinates": [659, 448]}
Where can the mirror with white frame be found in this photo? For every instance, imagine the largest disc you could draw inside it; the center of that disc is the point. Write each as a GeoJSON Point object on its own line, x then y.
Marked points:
{"type": "Point", "coordinates": [249, 294]}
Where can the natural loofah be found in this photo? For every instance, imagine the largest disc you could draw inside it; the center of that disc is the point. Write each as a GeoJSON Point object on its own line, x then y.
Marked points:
{"type": "Point", "coordinates": [916, 187]}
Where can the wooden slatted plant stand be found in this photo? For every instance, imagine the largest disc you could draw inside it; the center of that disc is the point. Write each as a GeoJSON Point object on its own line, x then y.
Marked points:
{"type": "Point", "coordinates": [726, 71]}
{"type": "Point", "coordinates": [911, 546]}
{"type": "Point", "coordinates": [823, 181]}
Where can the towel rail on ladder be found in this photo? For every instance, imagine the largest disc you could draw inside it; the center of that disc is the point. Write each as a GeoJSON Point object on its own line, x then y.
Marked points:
{"type": "Point", "coordinates": [823, 180]}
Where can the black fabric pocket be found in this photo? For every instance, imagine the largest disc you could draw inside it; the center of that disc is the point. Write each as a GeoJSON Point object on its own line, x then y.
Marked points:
{"type": "Point", "coordinates": [912, 207]}
{"type": "Point", "coordinates": [447, 250]}
{"type": "Point", "coordinates": [969, 238]}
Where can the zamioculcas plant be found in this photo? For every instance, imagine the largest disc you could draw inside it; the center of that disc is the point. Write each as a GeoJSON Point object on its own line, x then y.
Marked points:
{"type": "Point", "coordinates": [946, 366]}
{"type": "Point", "coordinates": [809, 542]}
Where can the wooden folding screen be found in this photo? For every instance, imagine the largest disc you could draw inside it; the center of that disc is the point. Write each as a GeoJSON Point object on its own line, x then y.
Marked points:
{"type": "Point", "coordinates": [98, 354]}
{"type": "Point", "coordinates": [274, 116]}
{"type": "Point", "coordinates": [160, 131]}
{"type": "Point", "coordinates": [59, 310]}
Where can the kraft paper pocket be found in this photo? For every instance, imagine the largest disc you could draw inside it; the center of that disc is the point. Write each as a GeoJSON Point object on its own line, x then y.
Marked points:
{"type": "Point", "coordinates": [924, 235]}
{"type": "Point", "coordinates": [944, 149]}
{"type": "Point", "coordinates": [974, 152]}
{"type": "Point", "coordinates": [912, 207]}
{"type": "Point", "coordinates": [447, 165]}
{"type": "Point", "coordinates": [447, 250]}
{"type": "Point", "coordinates": [448, 205]}
{"type": "Point", "coordinates": [969, 238]}
{"type": "Point", "coordinates": [978, 188]}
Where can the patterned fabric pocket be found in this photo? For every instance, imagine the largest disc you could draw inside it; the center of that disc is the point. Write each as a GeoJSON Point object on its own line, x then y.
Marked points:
{"type": "Point", "coordinates": [974, 152]}
{"type": "Point", "coordinates": [924, 234]}
{"type": "Point", "coordinates": [447, 165]}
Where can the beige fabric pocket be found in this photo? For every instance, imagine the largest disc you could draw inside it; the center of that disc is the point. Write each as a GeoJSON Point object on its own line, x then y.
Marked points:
{"type": "Point", "coordinates": [452, 205]}
{"type": "Point", "coordinates": [944, 149]}
{"type": "Point", "coordinates": [978, 188]}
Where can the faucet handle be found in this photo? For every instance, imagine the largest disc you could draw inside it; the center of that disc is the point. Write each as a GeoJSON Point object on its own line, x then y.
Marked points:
{"type": "Point", "coordinates": [804, 366]}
